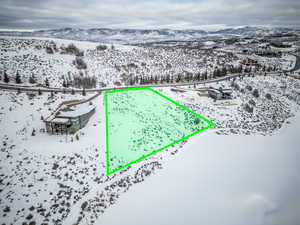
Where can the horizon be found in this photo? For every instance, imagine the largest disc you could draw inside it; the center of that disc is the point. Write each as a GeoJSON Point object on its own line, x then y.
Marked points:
{"type": "Point", "coordinates": [214, 28]}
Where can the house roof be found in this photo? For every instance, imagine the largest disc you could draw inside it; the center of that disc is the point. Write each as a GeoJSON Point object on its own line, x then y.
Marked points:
{"type": "Point", "coordinates": [75, 111]}
{"type": "Point", "coordinates": [60, 120]}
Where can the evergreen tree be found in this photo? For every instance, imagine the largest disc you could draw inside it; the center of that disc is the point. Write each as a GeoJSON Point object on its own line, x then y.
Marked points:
{"type": "Point", "coordinates": [18, 78]}
{"type": "Point", "coordinates": [197, 77]}
{"type": "Point", "coordinates": [204, 75]}
{"type": "Point", "coordinates": [64, 84]}
{"type": "Point", "coordinates": [224, 71]}
{"type": "Point", "coordinates": [6, 78]}
{"type": "Point", "coordinates": [47, 82]}
{"type": "Point", "coordinates": [178, 78]}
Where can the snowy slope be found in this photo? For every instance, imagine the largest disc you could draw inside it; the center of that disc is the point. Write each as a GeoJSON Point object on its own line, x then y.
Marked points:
{"type": "Point", "coordinates": [229, 180]}
{"type": "Point", "coordinates": [243, 169]}
{"type": "Point", "coordinates": [28, 56]}
{"type": "Point", "coordinates": [57, 179]}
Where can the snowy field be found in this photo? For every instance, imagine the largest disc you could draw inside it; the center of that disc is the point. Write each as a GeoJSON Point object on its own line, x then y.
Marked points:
{"type": "Point", "coordinates": [243, 169]}
{"type": "Point", "coordinates": [141, 122]}
{"type": "Point", "coordinates": [229, 180]}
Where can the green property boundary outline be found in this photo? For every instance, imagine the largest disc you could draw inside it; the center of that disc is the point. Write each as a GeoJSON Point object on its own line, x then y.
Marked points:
{"type": "Point", "coordinates": [108, 172]}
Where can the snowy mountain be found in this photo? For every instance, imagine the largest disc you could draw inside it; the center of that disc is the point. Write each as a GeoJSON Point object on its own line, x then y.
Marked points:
{"type": "Point", "coordinates": [255, 31]}
{"type": "Point", "coordinates": [133, 36]}
{"type": "Point", "coordinates": [106, 35]}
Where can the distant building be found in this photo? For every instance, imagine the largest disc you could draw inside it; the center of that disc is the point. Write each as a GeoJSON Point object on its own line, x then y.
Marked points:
{"type": "Point", "coordinates": [220, 93]}
{"type": "Point", "coordinates": [181, 90]}
{"type": "Point", "coordinates": [69, 118]}
{"type": "Point", "coordinates": [279, 44]}
{"type": "Point", "coordinates": [250, 62]}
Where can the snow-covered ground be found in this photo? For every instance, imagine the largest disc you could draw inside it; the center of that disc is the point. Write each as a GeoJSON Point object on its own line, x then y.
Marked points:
{"type": "Point", "coordinates": [244, 170]}
{"type": "Point", "coordinates": [118, 63]}
{"type": "Point", "coordinates": [229, 180]}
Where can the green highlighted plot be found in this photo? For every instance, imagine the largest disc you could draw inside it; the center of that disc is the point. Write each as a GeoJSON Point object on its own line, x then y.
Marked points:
{"type": "Point", "coordinates": [141, 122]}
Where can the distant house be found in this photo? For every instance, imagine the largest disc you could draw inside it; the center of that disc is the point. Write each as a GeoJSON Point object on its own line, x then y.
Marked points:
{"type": "Point", "coordinates": [250, 62]}
{"type": "Point", "coordinates": [69, 119]}
{"type": "Point", "coordinates": [279, 44]}
{"type": "Point", "coordinates": [178, 90]}
{"type": "Point", "coordinates": [220, 93]}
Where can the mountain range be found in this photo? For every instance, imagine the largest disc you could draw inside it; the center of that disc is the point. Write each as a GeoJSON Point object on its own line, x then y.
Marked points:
{"type": "Point", "coordinates": [134, 36]}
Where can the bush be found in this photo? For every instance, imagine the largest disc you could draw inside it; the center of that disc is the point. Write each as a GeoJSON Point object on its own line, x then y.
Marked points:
{"type": "Point", "coordinates": [80, 54]}
{"type": "Point", "coordinates": [248, 108]}
{"type": "Point", "coordinates": [117, 83]}
{"type": "Point", "coordinates": [236, 87]}
{"type": "Point", "coordinates": [79, 63]}
{"type": "Point", "coordinates": [255, 93]}
{"type": "Point", "coordinates": [197, 121]}
{"type": "Point", "coordinates": [49, 50]}
{"type": "Point", "coordinates": [252, 102]}
{"type": "Point", "coordinates": [102, 84]}
{"type": "Point", "coordinates": [268, 96]}
{"type": "Point", "coordinates": [248, 87]}
{"type": "Point", "coordinates": [32, 79]}
{"type": "Point", "coordinates": [101, 47]}
{"type": "Point", "coordinates": [72, 49]}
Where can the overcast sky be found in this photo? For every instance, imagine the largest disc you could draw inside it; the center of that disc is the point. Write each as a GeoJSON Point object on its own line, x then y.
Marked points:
{"type": "Point", "coordinates": [176, 14]}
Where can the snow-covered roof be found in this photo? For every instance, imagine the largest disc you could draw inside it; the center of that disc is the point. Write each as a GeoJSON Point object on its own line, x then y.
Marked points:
{"type": "Point", "coordinates": [60, 120]}
{"type": "Point", "coordinates": [214, 90]}
{"type": "Point", "coordinates": [76, 111]}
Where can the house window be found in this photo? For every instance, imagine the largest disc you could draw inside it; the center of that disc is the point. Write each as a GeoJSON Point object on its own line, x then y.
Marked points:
{"type": "Point", "coordinates": [75, 121]}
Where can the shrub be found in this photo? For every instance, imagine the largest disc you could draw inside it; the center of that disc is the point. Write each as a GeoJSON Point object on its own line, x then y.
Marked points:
{"type": "Point", "coordinates": [248, 108]}
{"type": "Point", "coordinates": [72, 49]}
{"type": "Point", "coordinates": [117, 83]}
{"type": "Point", "coordinates": [101, 47]}
{"type": "Point", "coordinates": [252, 102]}
{"type": "Point", "coordinates": [49, 50]}
{"type": "Point", "coordinates": [248, 87]}
{"type": "Point", "coordinates": [255, 93]}
{"type": "Point", "coordinates": [268, 96]}
{"type": "Point", "coordinates": [236, 87]}
{"type": "Point", "coordinates": [32, 79]}
{"type": "Point", "coordinates": [79, 63]}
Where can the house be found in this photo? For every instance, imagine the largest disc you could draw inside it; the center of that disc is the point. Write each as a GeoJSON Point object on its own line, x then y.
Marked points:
{"type": "Point", "coordinates": [69, 118]}
{"type": "Point", "coordinates": [178, 90]}
{"type": "Point", "coordinates": [220, 93]}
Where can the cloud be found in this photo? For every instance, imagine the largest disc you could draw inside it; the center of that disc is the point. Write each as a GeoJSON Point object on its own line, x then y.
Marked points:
{"type": "Point", "coordinates": [147, 14]}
